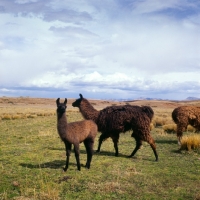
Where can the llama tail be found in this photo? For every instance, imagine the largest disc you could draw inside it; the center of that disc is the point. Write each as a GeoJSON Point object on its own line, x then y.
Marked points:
{"type": "Point", "coordinates": [175, 116]}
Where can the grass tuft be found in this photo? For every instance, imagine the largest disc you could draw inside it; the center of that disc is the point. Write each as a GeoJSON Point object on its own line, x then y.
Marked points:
{"type": "Point", "coordinates": [169, 128]}
{"type": "Point", "coordinates": [191, 128]}
{"type": "Point", "coordinates": [31, 116]}
{"type": "Point", "coordinates": [16, 116]}
{"type": "Point", "coordinates": [7, 117]}
{"type": "Point", "coordinates": [190, 142]}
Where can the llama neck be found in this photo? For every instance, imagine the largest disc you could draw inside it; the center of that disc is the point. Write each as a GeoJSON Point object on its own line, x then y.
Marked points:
{"type": "Point", "coordinates": [62, 125]}
{"type": "Point", "coordinates": [88, 111]}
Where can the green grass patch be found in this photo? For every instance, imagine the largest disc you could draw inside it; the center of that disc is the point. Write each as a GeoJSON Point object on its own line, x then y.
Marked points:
{"type": "Point", "coordinates": [32, 156]}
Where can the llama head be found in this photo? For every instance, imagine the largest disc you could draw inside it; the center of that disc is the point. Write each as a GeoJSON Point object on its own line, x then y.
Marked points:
{"type": "Point", "coordinates": [78, 101]}
{"type": "Point", "coordinates": [61, 107]}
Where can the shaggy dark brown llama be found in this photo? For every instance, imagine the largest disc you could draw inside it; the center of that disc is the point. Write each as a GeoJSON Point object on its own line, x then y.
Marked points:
{"type": "Point", "coordinates": [113, 120]}
{"type": "Point", "coordinates": [184, 116]}
{"type": "Point", "coordinates": [74, 133]}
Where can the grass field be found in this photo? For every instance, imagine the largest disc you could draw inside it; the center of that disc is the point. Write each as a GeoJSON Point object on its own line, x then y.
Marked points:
{"type": "Point", "coordinates": [32, 157]}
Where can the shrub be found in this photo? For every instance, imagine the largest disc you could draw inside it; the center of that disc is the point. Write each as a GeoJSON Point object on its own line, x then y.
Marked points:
{"type": "Point", "coordinates": [6, 117]}
{"type": "Point", "coordinates": [169, 128]}
{"type": "Point", "coordinates": [190, 142]}
{"type": "Point", "coordinates": [16, 117]}
{"type": "Point", "coordinates": [41, 114]}
{"type": "Point", "coordinates": [158, 121]}
{"type": "Point", "coordinates": [191, 128]}
{"type": "Point", "coordinates": [31, 116]}
{"type": "Point", "coordinates": [23, 116]}
{"type": "Point", "coordinates": [151, 126]}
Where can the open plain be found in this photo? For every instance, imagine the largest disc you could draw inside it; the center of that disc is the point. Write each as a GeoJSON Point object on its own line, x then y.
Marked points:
{"type": "Point", "coordinates": [32, 156]}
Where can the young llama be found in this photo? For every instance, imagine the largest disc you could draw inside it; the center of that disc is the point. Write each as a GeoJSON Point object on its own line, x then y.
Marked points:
{"type": "Point", "coordinates": [74, 133]}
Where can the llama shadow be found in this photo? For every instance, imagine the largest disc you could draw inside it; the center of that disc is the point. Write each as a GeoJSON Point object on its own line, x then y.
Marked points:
{"type": "Point", "coordinates": [166, 141]}
{"type": "Point", "coordinates": [112, 154]}
{"type": "Point", "coordinates": [53, 165]}
{"type": "Point", "coordinates": [101, 153]}
{"type": "Point", "coordinates": [63, 150]}
{"type": "Point", "coordinates": [56, 164]}
{"type": "Point", "coordinates": [109, 153]}
{"type": "Point", "coordinates": [177, 151]}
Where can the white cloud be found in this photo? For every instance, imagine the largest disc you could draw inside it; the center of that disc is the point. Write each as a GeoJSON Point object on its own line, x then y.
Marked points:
{"type": "Point", "coordinates": [130, 47]}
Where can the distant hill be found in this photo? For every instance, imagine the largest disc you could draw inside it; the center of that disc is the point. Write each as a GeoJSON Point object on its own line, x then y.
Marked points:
{"type": "Point", "coordinates": [192, 98]}
{"type": "Point", "coordinates": [156, 99]}
{"type": "Point", "coordinates": [148, 98]}
{"type": "Point", "coordinates": [142, 98]}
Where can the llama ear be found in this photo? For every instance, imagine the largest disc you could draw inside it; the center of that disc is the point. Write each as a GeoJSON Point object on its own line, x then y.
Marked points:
{"type": "Point", "coordinates": [58, 101]}
{"type": "Point", "coordinates": [81, 96]}
{"type": "Point", "coordinates": [65, 102]}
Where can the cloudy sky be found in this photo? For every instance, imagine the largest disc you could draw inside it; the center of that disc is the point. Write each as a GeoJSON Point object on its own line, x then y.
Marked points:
{"type": "Point", "coordinates": [104, 49]}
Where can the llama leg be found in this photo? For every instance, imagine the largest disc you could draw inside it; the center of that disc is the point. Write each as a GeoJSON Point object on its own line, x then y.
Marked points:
{"type": "Point", "coordinates": [138, 145]}
{"type": "Point", "coordinates": [68, 151]}
{"type": "Point", "coordinates": [77, 152]}
{"type": "Point", "coordinates": [102, 137]}
{"type": "Point", "coordinates": [89, 148]}
{"type": "Point", "coordinates": [153, 146]}
{"type": "Point", "coordinates": [179, 133]}
{"type": "Point", "coordinates": [115, 139]}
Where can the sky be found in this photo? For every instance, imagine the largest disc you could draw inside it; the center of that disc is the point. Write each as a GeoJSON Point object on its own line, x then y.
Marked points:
{"type": "Point", "coordinates": [103, 49]}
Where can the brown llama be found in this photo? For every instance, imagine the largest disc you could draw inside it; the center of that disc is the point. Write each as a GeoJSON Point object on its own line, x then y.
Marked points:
{"type": "Point", "coordinates": [74, 133]}
{"type": "Point", "coordinates": [183, 116]}
{"type": "Point", "coordinates": [113, 120]}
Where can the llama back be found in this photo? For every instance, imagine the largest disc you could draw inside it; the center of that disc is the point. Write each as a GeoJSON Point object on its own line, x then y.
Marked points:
{"type": "Point", "coordinates": [180, 113]}
{"type": "Point", "coordinates": [122, 118]}
{"type": "Point", "coordinates": [148, 111]}
{"type": "Point", "coordinates": [145, 109]}
{"type": "Point", "coordinates": [85, 129]}
{"type": "Point", "coordinates": [184, 113]}
{"type": "Point", "coordinates": [113, 119]}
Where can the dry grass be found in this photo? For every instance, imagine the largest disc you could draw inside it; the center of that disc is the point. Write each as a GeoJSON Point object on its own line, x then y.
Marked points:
{"type": "Point", "coordinates": [169, 128]}
{"type": "Point", "coordinates": [190, 142]}
{"type": "Point", "coordinates": [27, 114]}
{"type": "Point", "coordinates": [191, 128]}
{"type": "Point", "coordinates": [152, 126]}
{"type": "Point", "coordinates": [160, 121]}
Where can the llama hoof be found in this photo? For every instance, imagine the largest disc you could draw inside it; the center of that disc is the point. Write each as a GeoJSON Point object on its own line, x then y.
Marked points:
{"type": "Point", "coordinates": [156, 157]}
{"type": "Point", "coordinates": [97, 151]}
{"type": "Point", "coordinates": [64, 169]}
{"type": "Point", "coordinates": [116, 154]}
{"type": "Point", "coordinates": [87, 167]}
{"type": "Point", "coordinates": [130, 156]}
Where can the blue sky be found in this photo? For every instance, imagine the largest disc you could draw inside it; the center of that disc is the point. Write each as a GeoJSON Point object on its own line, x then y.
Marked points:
{"type": "Point", "coordinates": [108, 49]}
